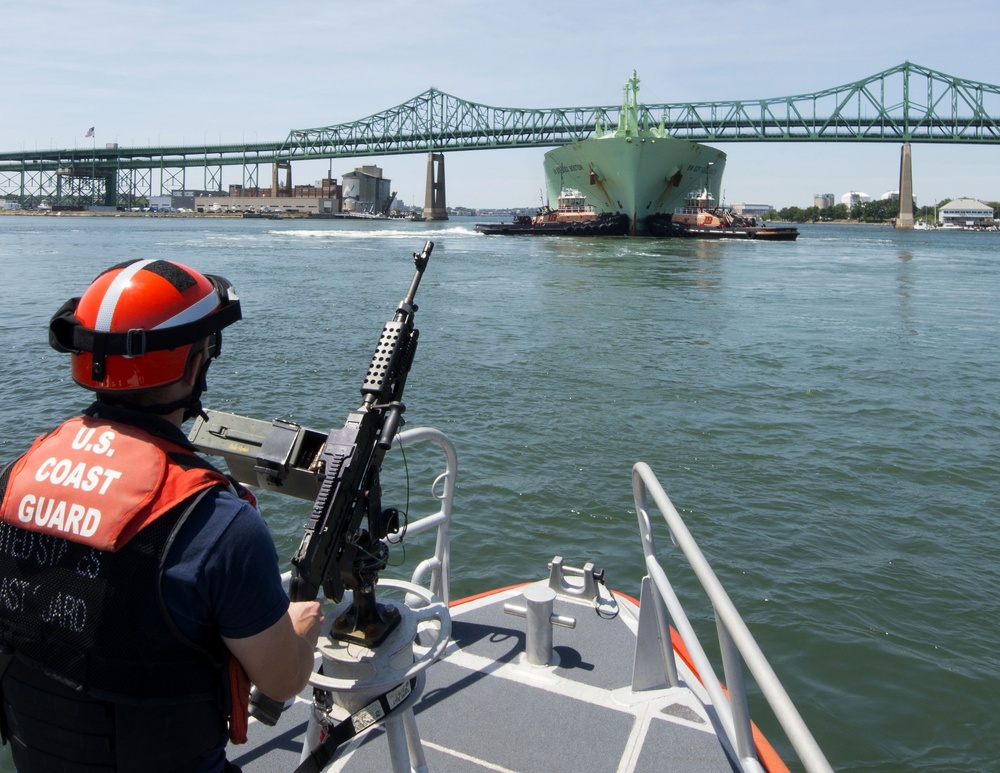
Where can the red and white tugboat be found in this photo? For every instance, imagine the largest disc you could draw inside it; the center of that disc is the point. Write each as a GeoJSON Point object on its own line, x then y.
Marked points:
{"type": "Point", "coordinates": [701, 218]}
{"type": "Point", "coordinates": [571, 217]}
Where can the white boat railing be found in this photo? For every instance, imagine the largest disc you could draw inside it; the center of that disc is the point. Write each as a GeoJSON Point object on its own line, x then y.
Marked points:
{"type": "Point", "coordinates": [736, 643]}
{"type": "Point", "coordinates": [443, 490]}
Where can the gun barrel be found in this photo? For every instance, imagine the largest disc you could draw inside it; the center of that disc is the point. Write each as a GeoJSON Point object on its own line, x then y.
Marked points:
{"type": "Point", "coordinates": [420, 261]}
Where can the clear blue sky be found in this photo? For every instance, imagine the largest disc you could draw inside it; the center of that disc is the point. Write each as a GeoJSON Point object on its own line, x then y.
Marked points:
{"type": "Point", "coordinates": [185, 72]}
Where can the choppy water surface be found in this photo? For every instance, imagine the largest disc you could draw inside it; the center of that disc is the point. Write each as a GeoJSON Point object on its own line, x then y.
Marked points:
{"type": "Point", "coordinates": [823, 413]}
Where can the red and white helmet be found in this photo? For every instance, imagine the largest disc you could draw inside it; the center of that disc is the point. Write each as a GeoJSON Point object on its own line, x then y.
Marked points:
{"type": "Point", "coordinates": [134, 326]}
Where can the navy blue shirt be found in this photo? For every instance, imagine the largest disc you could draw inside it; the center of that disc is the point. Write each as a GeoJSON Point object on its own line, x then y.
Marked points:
{"type": "Point", "coordinates": [221, 575]}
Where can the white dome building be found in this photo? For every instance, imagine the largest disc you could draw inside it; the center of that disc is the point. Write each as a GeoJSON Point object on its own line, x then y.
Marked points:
{"type": "Point", "coordinates": [854, 197]}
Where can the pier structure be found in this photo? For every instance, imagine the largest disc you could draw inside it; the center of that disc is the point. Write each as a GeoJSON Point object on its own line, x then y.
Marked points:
{"type": "Point", "coordinates": [434, 198]}
{"type": "Point", "coordinates": [905, 218]}
{"type": "Point", "coordinates": [904, 104]}
{"type": "Point", "coordinates": [276, 188]}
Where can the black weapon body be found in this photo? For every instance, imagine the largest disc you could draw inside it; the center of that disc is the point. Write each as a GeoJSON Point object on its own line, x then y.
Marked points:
{"type": "Point", "coordinates": [336, 553]}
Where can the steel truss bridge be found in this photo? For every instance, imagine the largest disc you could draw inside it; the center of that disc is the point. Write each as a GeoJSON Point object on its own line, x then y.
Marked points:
{"type": "Point", "coordinates": [904, 104]}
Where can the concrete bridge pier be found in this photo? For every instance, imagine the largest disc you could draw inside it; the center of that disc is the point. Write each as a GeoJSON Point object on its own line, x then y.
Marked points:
{"type": "Point", "coordinates": [434, 201]}
{"type": "Point", "coordinates": [276, 188]}
{"type": "Point", "coordinates": [905, 219]}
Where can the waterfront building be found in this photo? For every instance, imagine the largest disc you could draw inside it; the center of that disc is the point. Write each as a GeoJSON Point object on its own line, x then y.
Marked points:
{"type": "Point", "coordinates": [321, 198]}
{"type": "Point", "coordinates": [966, 213]}
{"type": "Point", "coordinates": [266, 205]}
{"type": "Point", "coordinates": [366, 190]}
{"type": "Point", "coordinates": [751, 210]}
{"type": "Point", "coordinates": [178, 200]}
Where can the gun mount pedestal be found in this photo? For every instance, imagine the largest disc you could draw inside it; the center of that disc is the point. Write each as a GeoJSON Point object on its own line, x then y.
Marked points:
{"type": "Point", "coordinates": [366, 622]}
{"type": "Point", "coordinates": [354, 676]}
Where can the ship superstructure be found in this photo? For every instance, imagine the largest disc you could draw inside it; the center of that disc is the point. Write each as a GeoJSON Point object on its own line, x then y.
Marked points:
{"type": "Point", "coordinates": [634, 169]}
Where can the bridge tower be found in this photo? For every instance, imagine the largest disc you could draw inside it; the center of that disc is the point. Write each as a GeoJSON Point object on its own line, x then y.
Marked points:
{"type": "Point", "coordinates": [278, 190]}
{"type": "Point", "coordinates": [905, 219]}
{"type": "Point", "coordinates": [434, 204]}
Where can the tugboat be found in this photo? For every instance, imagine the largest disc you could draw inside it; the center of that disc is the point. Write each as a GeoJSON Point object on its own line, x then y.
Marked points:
{"type": "Point", "coordinates": [701, 218]}
{"type": "Point", "coordinates": [571, 217]}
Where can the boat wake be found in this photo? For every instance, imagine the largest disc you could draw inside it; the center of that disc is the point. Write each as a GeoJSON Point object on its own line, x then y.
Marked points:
{"type": "Point", "coordinates": [367, 233]}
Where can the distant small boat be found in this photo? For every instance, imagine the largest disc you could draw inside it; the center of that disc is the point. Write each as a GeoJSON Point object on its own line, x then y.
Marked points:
{"type": "Point", "coordinates": [571, 217]}
{"type": "Point", "coordinates": [700, 218]}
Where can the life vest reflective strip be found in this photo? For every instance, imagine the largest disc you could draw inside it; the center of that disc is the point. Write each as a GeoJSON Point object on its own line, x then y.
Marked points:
{"type": "Point", "coordinates": [98, 482]}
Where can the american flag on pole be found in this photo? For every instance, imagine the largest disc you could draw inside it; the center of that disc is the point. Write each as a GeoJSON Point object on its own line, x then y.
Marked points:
{"type": "Point", "coordinates": [90, 132]}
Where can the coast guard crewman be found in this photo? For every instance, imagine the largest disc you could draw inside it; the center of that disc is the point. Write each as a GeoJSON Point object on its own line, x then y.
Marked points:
{"type": "Point", "coordinates": [139, 587]}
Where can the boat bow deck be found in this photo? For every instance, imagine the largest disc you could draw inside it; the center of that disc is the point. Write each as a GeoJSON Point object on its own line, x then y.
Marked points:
{"type": "Point", "coordinates": [485, 708]}
{"type": "Point", "coordinates": [618, 688]}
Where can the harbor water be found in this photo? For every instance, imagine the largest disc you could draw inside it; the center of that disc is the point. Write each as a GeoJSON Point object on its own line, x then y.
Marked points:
{"type": "Point", "coordinates": [825, 414]}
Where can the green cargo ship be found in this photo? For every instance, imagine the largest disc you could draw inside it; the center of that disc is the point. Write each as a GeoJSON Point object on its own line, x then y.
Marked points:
{"type": "Point", "coordinates": [634, 170]}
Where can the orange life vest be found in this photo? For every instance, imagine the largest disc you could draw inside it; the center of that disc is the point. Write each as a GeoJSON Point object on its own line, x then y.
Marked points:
{"type": "Point", "coordinates": [98, 483]}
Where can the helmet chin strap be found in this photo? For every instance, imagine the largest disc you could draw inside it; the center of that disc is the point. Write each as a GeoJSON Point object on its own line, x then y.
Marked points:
{"type": "Point", "coordinates": [193, 407]}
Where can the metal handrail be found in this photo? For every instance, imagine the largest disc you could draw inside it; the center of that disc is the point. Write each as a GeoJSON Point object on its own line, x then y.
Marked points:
{"type": "Point", "coordinates": [443, 490]}
{"type": "Point", "coordinates": [735, 640]}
